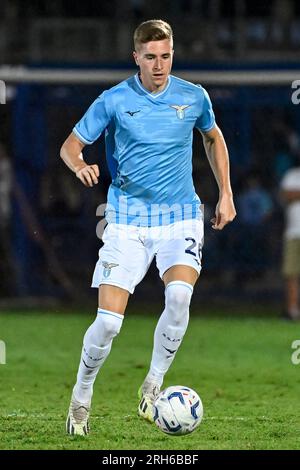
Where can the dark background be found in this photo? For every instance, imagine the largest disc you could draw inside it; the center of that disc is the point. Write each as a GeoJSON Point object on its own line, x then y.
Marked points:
{"type": "Point", "coordinates": [48, 244]}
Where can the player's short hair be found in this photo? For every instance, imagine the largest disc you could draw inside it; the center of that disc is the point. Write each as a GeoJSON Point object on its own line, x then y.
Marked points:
{"type": "Point", "coordinates": [152, 30]}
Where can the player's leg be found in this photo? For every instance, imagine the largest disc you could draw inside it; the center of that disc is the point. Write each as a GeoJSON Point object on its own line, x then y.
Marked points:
{"type": "Point", "coordinates": [122, 264]}
{"type": "Point", "coordinates": [292, 297]}
{"type": "Point", "coordinates": [169, 332]}
{"type": "Point", "coordinates": [183, 273]}
{"type": "Point", "coordinates": [98, 338]}
{"type": "Point", "coordinates": [97, 344]}
{"type": "Point", "coordinates": [179, 263]}
{"type": "Point", "coordinates": [291, 272]}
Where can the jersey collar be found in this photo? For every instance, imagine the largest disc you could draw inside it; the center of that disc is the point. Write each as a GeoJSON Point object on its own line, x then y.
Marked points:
{"type": "Point", "coordinates": [149, 93]}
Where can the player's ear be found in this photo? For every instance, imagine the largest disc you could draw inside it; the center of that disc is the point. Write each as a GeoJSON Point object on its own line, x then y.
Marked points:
{"type": "Point", "coordinates": [135, 58]}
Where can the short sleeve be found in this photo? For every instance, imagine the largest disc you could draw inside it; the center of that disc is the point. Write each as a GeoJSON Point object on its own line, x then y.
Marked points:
{"type": "Point", "coordinates": [94, 122]}
{"type": "Point", "coordinates": [206, 121]}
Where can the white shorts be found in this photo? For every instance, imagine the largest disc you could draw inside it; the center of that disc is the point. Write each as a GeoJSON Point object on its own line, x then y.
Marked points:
{"type": "Point", "coordinates": [129, 250]}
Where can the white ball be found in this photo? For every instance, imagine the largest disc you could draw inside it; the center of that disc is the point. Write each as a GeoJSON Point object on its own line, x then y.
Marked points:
{"type": "Point", "coordinates": [178, 410]}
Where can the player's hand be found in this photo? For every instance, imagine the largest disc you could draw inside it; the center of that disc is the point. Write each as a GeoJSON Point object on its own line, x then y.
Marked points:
{"type": "Point", "coordinates": [88, 175]}
{"type": "Point", "coordinates": [225, 212]}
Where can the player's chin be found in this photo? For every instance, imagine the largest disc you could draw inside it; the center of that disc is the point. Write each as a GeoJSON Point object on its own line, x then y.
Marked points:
{"type": "Point", "coordinates": [159, 78]}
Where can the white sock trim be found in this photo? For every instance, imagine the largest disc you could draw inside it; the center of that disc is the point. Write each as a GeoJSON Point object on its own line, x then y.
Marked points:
{"type": "Point", "coordinates": [180, 283]}
{"type": "Point", "coordinates": [108, 312]}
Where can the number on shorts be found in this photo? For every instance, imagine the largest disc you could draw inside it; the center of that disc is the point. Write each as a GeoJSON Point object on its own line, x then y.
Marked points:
{"type": "Point", "coordinates": [192, 246]}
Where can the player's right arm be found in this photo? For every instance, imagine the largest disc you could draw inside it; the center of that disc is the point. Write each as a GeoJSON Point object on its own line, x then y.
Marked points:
{"type": "Point", "coordinates": [71, 153]}
{"type": "Point", "coordinates": [87, 130]}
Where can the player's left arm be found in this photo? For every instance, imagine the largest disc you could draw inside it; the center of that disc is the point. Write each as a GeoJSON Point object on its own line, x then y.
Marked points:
{"type": "Point", "coordinates": [217, 154]}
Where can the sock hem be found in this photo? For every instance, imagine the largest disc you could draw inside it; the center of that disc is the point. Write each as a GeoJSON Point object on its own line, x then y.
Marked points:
{"type": "Point", "coordinates": [109, 312]}
{"type": "Point", "coordinates": [180, 283]}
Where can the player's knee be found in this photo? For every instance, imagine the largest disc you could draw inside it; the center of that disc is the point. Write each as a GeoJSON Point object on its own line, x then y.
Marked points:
{"type": "Point", "coordinates": [110, 328]}
{"type": "Point", "coordinates": [178, 299]}
{"type": "Point", "coordinates": [103, 330]}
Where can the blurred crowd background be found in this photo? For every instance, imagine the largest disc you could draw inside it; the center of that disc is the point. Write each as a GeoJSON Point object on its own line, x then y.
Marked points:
{"type": "Point", "coordinates": [48, 243]}
{"type": "Point", "coordinates": [93, 31]}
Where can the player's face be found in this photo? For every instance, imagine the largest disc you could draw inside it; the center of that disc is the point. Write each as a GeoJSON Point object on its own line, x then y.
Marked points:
{"type": "Point", "coordinates": [155, 61]}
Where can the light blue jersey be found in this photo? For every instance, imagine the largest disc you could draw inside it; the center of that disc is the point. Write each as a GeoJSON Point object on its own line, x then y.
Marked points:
{"type": "Point", "coordinates": [149, 148]}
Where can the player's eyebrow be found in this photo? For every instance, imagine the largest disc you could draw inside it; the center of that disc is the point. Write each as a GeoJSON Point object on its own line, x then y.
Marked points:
{"type": "Point", "coordinates": [165, 54]}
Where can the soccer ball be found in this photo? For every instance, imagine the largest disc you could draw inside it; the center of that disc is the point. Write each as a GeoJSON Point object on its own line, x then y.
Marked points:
{"type": "Point", "coordinates": [178, 410]}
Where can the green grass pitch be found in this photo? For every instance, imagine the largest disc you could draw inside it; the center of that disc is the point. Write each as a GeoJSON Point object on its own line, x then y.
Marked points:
{"type": "Point", "coordinates": [240, 366]}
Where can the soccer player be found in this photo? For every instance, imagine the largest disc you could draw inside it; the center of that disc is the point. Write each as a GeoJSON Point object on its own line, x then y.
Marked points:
{"type": "Point", "coordinates": [152, 209]}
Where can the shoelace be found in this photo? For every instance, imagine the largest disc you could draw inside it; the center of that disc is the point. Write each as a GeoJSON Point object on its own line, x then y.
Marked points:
{"type": "Point", "coordinates": [152, 394]}
{"type": "Point", "coordinates": [80, 413]}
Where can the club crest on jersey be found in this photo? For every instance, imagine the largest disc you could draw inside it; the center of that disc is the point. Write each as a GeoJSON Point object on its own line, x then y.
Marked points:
{"type": "Point", "coordinates": [180, 110]}
{"type": "Point", "coordinates": [107, 268]}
